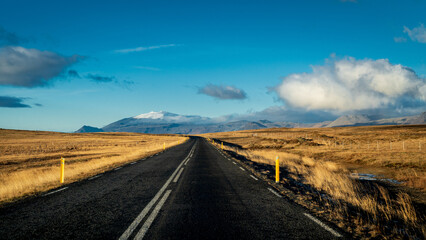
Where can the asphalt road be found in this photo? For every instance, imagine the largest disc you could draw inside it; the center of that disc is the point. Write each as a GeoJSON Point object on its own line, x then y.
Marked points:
{"type": "Point", "coordinates": [190, 191]}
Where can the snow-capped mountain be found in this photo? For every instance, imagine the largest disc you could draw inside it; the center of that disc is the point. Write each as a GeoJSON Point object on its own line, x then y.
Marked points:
{"type": "Point", "coordinates": [168, 117]}
{"type": "Point", "coordinates": [166, 122]}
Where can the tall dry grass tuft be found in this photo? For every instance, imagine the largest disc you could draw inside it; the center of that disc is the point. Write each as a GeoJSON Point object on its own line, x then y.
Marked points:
{"type": "Point", "coordinates": [30, 161]}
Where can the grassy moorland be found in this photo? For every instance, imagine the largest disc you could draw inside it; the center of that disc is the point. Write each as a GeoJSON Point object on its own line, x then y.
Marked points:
{"type": "Point", "coordinates": [327, 164]}
{"type": "Point", "coordinates": [30, 160]}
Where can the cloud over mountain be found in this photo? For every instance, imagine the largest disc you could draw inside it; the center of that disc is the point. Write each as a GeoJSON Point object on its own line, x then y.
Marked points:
{"type": "Point", "coordinates": [26, 67]}
{"type": "Point", "coordinates": [349, 84]}
{"type": "Point", "coordinates": [223, 92]}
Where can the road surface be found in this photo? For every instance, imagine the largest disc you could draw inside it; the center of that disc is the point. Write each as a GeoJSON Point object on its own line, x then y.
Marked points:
{"type": "Point", "coordinates": [191, 191]}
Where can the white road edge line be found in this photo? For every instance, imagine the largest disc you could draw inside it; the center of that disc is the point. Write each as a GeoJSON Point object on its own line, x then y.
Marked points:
{"type": "Point", "coordinates": [270, 189]}
{"type": "Point", "coordinates": [95, 177]}
{"type": "Point", "coordinates": [255, 178]}
{"type": "Point", "coordinates": [242, 168]}
{"type": "Point", "coordinates": [132, 163]}
{"type": "Point", "coordinates": [148, 207]}
{"type": "Point", "coordinates": [115, 169]}
{"type": "Point", "coordinates": [178, 175]}
{"type": "Point", "coordinates": [234, 163]}
{"type": "Point", "coordinates": [152, 216]}
{"type": "Point", "coordinates": [336, 234]}
{"type": "Point", "coordinates": [61, 189]}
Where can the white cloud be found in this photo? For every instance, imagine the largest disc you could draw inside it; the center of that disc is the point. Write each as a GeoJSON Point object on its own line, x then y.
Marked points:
{"type": "Point", "coordinates": [140, 49]}
{"type": "Point", "coordinates": [31, 67]}
{"type": "Point", "coordinates": [353, 85]}
{"type": "Point", "coordinates": [416, 34]}
{"type": "Point", "coordinates": [400, 39]}
{"type": "Point", "coordinates": [148, 68]}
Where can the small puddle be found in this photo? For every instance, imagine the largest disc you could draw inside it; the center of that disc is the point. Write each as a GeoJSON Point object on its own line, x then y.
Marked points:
{"type": "Point", "coordinates": [372, 177]}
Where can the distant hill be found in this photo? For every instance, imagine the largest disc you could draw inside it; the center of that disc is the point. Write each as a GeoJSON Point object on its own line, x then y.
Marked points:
{"type": "Point", "coordinates": [166, 122]}
{"type": "Point", "coordinates": [350, 120]}
{"type": "Point", "coordinates": [87, 129]}
{"type": "Point", "coordinates": [365, 120]}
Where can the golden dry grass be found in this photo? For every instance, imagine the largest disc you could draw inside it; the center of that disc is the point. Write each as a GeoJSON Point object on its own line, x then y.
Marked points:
{"type": "Point", "coordinates": [325, 158]}
{"type": "Point", "coordinates": [394, 152]}
{"type": "Point", "coordinates": [30, 160]}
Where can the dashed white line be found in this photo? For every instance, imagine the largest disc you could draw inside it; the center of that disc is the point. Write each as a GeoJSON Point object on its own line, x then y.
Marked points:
{"type": "Point", "coordinates": [255, 178]}
{"type": "Point", "coordinates": [178, 175]}
{"type": "Point", "coordinates": [234, 163]}
{"type": "Point", "coordinates": [61, 189]}
{"type": "Point", "coordinates": [336, 234]}
{"type": "Point", "coordinates": [270, 189]}
{"type": "Point", "coordinates": [95, 177]}
{"type": "Point", "coordinates": [118, 168]}
{"type": "Point", "coordinates": [242, 168]}
{"type": "Point", "coordinates": [151, 217]}
{"type": "Point", "coordinates": [132, 163]}
{"type": "Point", "coordinates": [186, 162]}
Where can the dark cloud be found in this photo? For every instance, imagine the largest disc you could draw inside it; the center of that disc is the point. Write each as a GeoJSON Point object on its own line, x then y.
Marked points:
{"type": "Point", "coordinates": [10, 38]}
{"type": "Point", "coordinates": [223, 92]}
{"type": "Point", "coordinates": [12, 102]}
{"type": "Point", "coordinates": [24, 67]}
{"type": "Point", "coordinates": [100, 79]}
{"type": "Point", "coordinates": [73, 74]}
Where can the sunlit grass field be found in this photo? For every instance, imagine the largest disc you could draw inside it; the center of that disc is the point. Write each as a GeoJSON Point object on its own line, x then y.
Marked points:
{"type": "Point", "coordinates": [30, 160]}
{"type": "Point", "coordinates": [329, 160]}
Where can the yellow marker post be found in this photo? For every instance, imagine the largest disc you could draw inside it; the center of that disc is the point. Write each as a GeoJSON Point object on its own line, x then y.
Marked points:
{"type": "Point", "coordinates": [62, 170]}
{"type": "Point", "coordinates": [277, 170]}
{"type": "Point", "coordinates": [221, 145]}
{"type": "Point", "coordinates": [164, 146]}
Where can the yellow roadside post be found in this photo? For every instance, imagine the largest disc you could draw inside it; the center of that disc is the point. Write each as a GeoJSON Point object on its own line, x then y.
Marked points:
{"type": "Point", "coordinates": [277, 170]}
{"type": "Point", "coordinates": [164, 146]}
{"type": "Point", "coordinates": [62, 170]}
{"type": "Point", "coordinates": [221, 145]}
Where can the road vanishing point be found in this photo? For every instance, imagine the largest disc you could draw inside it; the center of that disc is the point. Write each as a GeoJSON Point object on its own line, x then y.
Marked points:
{"type": "Point", "coordinates": [190, 191]}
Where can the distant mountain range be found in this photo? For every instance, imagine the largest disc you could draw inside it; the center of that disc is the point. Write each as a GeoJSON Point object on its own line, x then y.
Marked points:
{"type": "Point", "coordinates": [166, 122]}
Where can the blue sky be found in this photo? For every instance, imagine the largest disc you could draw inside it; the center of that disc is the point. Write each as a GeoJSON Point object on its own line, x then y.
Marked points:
{"type": "Point", "coordinates": [64, 64]}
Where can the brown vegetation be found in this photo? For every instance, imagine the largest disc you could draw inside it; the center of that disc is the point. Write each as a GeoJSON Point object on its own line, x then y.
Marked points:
{"type": "Point", "coordinates": [323, 162]}
{"type": "Point", "coordinates": [30, 160]}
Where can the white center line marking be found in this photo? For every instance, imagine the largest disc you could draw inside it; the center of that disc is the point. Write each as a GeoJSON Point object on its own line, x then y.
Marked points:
{"type": "Point", "coordinates": [61, 189]}
{"type": "Point", "coordinates": [151, 217]}
{"type": "Point", "coordinates": [187, 161]}
{"type": "Point", "coordinates": [118, 168]}
{"type": "Point", "coordinates": [148, 207]}
{"type": "Point", "coordinates": [95, 177]}
{"type": "Point", "coordinates": [242, 168]}
{"type": "Point", "coordinates": [336, 234]}
{"type": "Point", "coordinates": [255, 178]}
{"type": "Point", "coordinates": [178, 175]}
{"type": "Point", "coordinates": [270, 189]}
